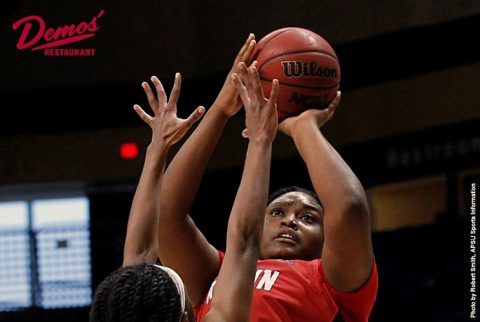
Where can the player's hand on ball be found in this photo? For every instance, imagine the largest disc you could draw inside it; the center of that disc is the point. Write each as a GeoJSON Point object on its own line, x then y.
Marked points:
{"type": "Point", "coordinates": [319, 117]}
{"type": "Point", "coordinates": [228, 100]}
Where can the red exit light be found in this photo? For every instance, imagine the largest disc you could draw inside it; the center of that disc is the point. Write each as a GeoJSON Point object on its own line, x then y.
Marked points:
{"type": "Point", "coordinates": [129, 150]}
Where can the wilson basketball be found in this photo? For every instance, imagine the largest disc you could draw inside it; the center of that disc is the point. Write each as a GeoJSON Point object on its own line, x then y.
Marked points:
{"type": "Point", "coordinates": [305, 65]}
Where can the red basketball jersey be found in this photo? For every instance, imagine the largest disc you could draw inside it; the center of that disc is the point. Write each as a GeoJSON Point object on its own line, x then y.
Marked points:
{"type": "Point", "coordinates": [296, 290]}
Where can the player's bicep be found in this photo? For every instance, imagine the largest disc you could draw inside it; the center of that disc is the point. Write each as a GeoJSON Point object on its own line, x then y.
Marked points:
{"type": "Point", "coordinates": [347, 251]}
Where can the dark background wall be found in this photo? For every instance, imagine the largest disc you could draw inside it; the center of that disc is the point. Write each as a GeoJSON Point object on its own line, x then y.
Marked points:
{"type": "Point", "coordinates": [198, 38]}
{"type": "Point", "coordinates": [410, 74]}
{"type": "Point", "coordinates": [406, 65]}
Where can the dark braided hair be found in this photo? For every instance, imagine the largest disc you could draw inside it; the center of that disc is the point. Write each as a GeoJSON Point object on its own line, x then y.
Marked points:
{"type": "Point", "coordinates": [136, 293]}
{"type": "Point", "coordinates": [277, 193]}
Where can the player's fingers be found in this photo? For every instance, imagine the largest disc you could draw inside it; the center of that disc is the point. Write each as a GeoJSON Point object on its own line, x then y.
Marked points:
{"type": "Point", "coordinates": [248, 54]}
{"type": "Point", "coordinates": [274, 91]}
{"type": "Point", "coordinates": [175, 93]}
{"type": "Point", "coordinates": [245, 49]}
{"type": "Point", "coordinates": [162, 97]}
{"type": "Point", "coordinates": [144, 116]}
{"type": "Point", "coordinates": [243, 73]}
{"type": "Point", "coordinates": [195, 116]}
{"type": "Point", "coordinates": [242, 91]}
{"type": "Point", "coordinates": [152, 101]}
{"type": "Point", "coordinates": [256, 84]}
{"type": "Point", "coordinates": [335, 102]}
{"type": "Point", "coordinates": [245, 79]}
{"type": "Point", "coordinates": [245, 133]}
{"type": "Point", "coordinates": [249, 80]}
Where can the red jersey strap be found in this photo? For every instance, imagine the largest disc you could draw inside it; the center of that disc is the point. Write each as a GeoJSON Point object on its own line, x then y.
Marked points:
{"type": "Point", "coordinates": [221, 256]}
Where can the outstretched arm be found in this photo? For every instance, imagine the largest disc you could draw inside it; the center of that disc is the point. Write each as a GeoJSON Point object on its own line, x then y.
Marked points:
{"type": "Point", "coordinates": [181, 245]}
{"type": "Point", "coordinates": [232, 299]}
{"type": "Point", "coordinates": [167, 129]}
{"type": "Point", "coordinates": [347, 251]}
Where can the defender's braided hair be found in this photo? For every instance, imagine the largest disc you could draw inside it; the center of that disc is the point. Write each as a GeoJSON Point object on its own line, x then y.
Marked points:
{"type": "Point", "coordinates": [134, 293]}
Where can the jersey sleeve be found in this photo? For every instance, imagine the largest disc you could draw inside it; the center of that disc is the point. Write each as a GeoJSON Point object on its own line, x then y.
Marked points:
{"type": "Point", "coordinates": [357, 305]}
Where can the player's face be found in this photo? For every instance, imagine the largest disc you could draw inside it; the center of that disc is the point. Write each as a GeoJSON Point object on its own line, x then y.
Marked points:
{"type": "Point", "coordinates": [293, 228]}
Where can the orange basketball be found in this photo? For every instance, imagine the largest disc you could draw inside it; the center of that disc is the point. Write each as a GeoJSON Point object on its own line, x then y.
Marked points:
{"type": "Point", "coordinates": [305, 65]}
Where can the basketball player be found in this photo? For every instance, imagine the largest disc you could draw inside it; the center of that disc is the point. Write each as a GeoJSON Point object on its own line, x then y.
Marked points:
{"type": "Point", "coordinates": [148, 292]}
{"type": "Point", "coordinates": [317, 258]}
{"type": "Point", "coordinates": [141, 290]}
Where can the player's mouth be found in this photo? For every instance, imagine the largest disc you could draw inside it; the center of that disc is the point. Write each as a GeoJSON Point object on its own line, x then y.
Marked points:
{"type": "Point", "coordinates": [286, 237]}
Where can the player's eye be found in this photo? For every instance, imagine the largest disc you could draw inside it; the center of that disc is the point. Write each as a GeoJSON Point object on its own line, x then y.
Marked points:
{"type": "Point", "coordinates": [308, 218]}
{"type": "Point", "coordinates": [276, 212]}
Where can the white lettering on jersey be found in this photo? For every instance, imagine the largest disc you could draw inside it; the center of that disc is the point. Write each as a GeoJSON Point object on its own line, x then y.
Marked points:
{"type": "Point", "coordinates": [267, 281]}
{"type": "Point", "coordinates": [210, 292]}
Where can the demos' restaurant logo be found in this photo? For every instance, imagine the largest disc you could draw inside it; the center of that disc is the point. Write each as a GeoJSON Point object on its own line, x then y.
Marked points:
{"type": "Point", "coordinates": [35, 34]}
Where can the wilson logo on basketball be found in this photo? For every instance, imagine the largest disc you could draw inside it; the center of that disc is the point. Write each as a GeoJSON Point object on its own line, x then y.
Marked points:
{"type": "Point", "coordinates": [36, 35]}
{"type": "Point", "coordinates": [300, 68]}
